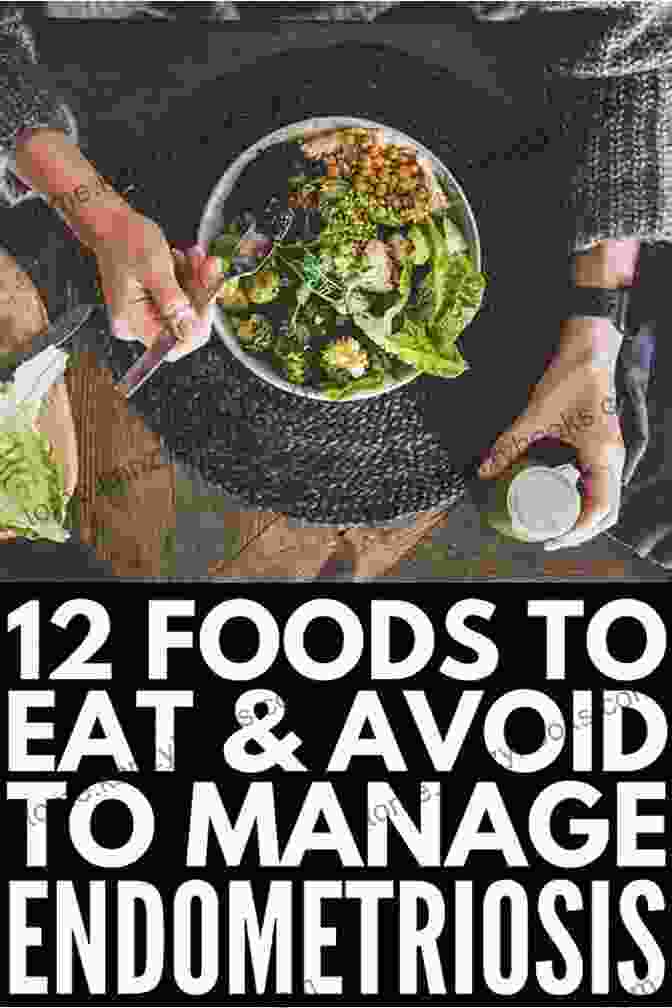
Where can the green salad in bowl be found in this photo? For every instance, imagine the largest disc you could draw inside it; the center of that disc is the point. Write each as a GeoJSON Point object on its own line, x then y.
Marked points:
{"type": "Point", "coordinates": [377, 278]}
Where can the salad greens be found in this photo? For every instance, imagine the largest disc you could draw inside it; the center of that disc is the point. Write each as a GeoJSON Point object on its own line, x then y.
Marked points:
{"type": "Point", "coordinates": [359, 305]}
{"type": "Point", "coordinates": [33, 503]}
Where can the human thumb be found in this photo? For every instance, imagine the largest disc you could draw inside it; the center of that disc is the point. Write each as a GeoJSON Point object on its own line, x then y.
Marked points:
{"type": "Point", "coordinates": [510, 448]}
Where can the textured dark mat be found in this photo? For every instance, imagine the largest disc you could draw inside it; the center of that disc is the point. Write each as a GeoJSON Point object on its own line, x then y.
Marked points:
{"type": "Point", "coordinates": [350, 464]}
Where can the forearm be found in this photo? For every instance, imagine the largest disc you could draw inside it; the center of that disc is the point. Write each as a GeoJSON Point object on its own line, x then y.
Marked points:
{"type": "Point", "coordinates": [55, 167]}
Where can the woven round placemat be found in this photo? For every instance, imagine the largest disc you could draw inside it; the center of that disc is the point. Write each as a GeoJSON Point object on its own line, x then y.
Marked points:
{"type": "Point", "coordinates": [347, 464]}
{"type": "Point", "coordinates": [354, 464]}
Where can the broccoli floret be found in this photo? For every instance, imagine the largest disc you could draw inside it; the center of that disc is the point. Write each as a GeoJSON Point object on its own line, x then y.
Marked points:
{"type": "Point", "coordinates": [291, 355]}
{"type": "Point", "coordinates": [346, 260]}
{"type": "Point", "coordinates": [319, 315]}
{"type": "Point", "coordinates": [336, 376]}
{"type": "Point", "coordinates": [295, 367]}
{"type": "Point", "coordinates": [265, 287]}
{"type": "Point", "coordinates": [255, 334]}
{"type": "Point", "coordinates": [232, 296]}
{"type": "Point", "coordinates": [345, 355]}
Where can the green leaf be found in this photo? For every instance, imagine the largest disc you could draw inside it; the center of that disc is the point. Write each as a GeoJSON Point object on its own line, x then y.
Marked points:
{"type": "Point", "coordinates": [412, 343]}
{"type": "Point", "coordinates": [369, 383]}
{"type": "Point", "coordinates": [452, 293]}
{"type": "Point", "coordinates": [32, 483]}
{"type": "Point", "coordinates": [414, 346]}
{"type": "Point", "coordinates": [455, 242]}
{"type": "Point", "coordinates": [224, 247]}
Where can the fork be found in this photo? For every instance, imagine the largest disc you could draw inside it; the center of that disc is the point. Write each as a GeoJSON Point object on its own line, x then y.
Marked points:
{"type": "Point", "coordinates": [281, 225]}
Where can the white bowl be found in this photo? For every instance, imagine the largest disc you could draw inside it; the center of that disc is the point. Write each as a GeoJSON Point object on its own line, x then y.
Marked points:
{"type": "Point", "coordinates": [215, 221]}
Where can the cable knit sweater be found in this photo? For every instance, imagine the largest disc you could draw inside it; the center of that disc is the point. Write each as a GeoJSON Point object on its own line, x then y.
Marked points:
{"type": "Point", "coordinates": [620, 109]}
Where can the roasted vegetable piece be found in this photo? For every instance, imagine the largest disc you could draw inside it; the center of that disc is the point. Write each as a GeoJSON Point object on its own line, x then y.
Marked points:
{"type": "Point", "coordinates": [232, 296]}
{"type": "Point", "coordinates": [291, 355]}
{"type": "Point", "coordinates": [345, 355]}
{"type": "Point", "coordinates": [255, 334]}
{"type": "Point", "coordinates": [264, 287]}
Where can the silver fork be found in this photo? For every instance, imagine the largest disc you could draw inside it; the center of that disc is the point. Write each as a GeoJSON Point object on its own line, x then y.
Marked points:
{"type": "Point", "coordinates": [281, 225]}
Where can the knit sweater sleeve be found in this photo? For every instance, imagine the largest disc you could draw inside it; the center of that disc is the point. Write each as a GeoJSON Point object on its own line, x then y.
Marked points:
{"type": "Point", "coordinates": [617, 116]}
{"type": "Point", "coordinates": [26, 100]}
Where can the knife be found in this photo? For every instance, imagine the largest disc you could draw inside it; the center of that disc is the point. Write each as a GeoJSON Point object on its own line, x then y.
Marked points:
{"type": "Point", "coordinates": [55, 335]}
{"type": "Point", "coordinates": [144, 368]}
